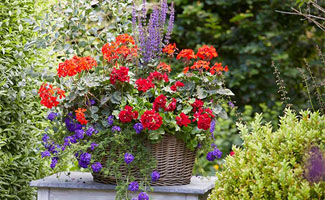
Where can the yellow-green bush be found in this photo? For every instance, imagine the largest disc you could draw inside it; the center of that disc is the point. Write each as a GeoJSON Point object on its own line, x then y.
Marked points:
{"type": "Point", "coordinates": [271, 164]}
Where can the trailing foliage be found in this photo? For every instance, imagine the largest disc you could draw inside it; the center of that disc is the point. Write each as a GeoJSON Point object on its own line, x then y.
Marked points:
{"type": "Point", "coordinates": [277, 164]}
{"type": "Point", "coordinates": [20, 113]}
{"type": "Point", "coordinates": [250, 33]}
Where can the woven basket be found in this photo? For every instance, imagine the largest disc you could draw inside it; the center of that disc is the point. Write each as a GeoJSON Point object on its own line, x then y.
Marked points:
{"type": "Point", "coordinates": [174, 163]}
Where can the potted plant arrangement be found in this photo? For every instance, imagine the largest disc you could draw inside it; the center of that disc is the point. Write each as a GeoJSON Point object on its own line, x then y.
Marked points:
{"type": "Point", "coordinates": [127, 117]}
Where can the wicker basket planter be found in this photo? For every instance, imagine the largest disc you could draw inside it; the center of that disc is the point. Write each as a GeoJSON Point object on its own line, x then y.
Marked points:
{"type": "Point", "coordinates": [174, 163]}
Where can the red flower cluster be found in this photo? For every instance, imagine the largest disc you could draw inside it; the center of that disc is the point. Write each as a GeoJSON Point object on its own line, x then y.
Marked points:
{"type": "Point", "coordinates": [127, 114]}
{"type": "Point", "coordinates": [176, 85]}
{"type": "Point", "coordinates": [206, 52]}
{"type": "Point", "coordinates": [204, 118]}
{"type": "Point", "coordinates": [160, 102]}
{"type": "Point", "coordinates": [80, 115]}
{"type": "Point", "coordinates": [151, 120]}
{"type": "Point", "coordinates": [169, 49]}
{"type": "Point", "coordinates": [171, 106]}
{"type": "Point", "coordinates": [164, 67]}
{"type": "Point", "coordinates": [120, 74]}
{"type": "Point", "coordinates": [187, 54]}
{"type": "Point", "coordinates": [197, 105]}
{"type": "Point", "coordinates": [75, 65]}
{"type": "Point", "coordinates": [157, 76]}
{"type": "Point", "coordinates": [217, 67]}
{"type": "Point", "coordinates": [144, 84]}
{"type": "Point", "coordinates": [49, 95]}
{"type": "Point", "coordinates": [121, 47]}
{"type": "Point", "coordinates": [201, 64]}
{"type": "Point", "coordinates": [183, 120]}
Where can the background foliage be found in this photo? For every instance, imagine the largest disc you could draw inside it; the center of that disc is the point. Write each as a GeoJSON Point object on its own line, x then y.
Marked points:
{"type": "Point", "coordinates": [20, 110]}
{"type": "Point", "coordinates": [272, 164]}
{"type": "Point", "coordinates": [249, 34]}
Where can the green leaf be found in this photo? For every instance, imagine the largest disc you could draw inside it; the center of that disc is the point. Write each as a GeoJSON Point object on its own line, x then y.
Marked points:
{"type": "Point", "coordinates": [116, 97]}
{"type": "Point", "coordinates": [225, 92]}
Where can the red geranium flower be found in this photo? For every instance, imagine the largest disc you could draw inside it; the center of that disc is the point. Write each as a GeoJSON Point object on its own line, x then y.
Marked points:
{"type": "Point", "coordinates": [144, 84]}
{"type": "Point", "coordinates": [204, 121]}
{"type": "Point", "coordinates": [171, 106]}
{"type": "Point", "coordinates": [183, 120]}
{"type": "Point", "coordinates": [164, 67]}
{"type": "Point", "coordinates": [128, 114]}
{"type": "Point", "coordinates": [176, 85]}
{"type": "Point", "coordinates": [206, 52]}
{"type": "Point", "coordinates": [201, 64]}
{"type": "Point", "coordinates": [169, 49]}
{"type": "Point", "coordinates": [75, 65]}
{"type": "Point", "coordinates": [80, 115]}
{"type": "Point", "coordinates": [157, 76]}
{"type": "Point", "coordinates": [151, 120]}
{"type": "Point", "coordinates": [232, 153]}
{"type": "Point", "coordinates": [160, 102]}
{"type": "Point", "coordinates": [187, 54]}
{"type": "Point", "coordinates": [120, 74]}
{"type": "Point", "coordinates": [197, 105]}
{"type": "Point", "coordinates": [49, 95]}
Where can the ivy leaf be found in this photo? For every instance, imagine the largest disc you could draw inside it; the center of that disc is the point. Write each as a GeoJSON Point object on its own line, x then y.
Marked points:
{"type": "Point", "coordinates": [225, 92]}
{"type": "Point", "coordinates": [116, 97]}
{"type": "Point", "coordinates": [201, 93]}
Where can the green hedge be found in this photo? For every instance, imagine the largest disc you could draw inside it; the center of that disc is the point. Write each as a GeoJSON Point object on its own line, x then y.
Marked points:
{"type": "Point", "coordinates": [20, 111]}
{"type": "Point", "coordinates": [276, 164]}
{"type": "Point", "coordinates": [248, 35]}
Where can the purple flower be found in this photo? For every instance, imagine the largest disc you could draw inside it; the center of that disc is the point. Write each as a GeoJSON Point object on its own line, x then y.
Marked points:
{"type": "Point", "coordinates": [45, 138]}
{"type": "Point", "coordinates": [96, 167]}
{"type": "Point", "coordinates": [52, 116]}
{"type": "Point", "coordinates": [210, 156]}
{"type": "Point", "coordinates": [79, 134]}
{"type": "Point", "coordinates": [71, 126]}
{"type": "Point", "coordinates": [133, 186]}
{"type": "Point", "coordinates": [212, 127]}
{"type": "Point", "coordinates": [231, 104]}
{"type": "Point", "coordinates": [110, 120]}
{"type": "Point", "coordinates": [155, 176]}
{"type": "Point", "coordinates": [134, 198]}
{"type": "Point", "coordinates": [73, 139]}
{"type": "Point", "coordinates": [116, 129]}
{"type": "Point", "coordinates": [91, 102]}
{"type": "Point", "coordinates": [170, 24]}
{"type": "Point", "coordinates": [315, 167]}
{"type": "Point", "coordinates": [84, 160]}
{"type": "Point", "coordinates": [138, 127]}
{"type": "Point", "coordinates": [128, 158]}
{"type": "Point", "coordinates": [45, 154]}
{"type": "Point", "coordinates": [93, 145]}
{"type": "Point", "coordinates": [217, 153]}
{"type": "Point", "coordinates": [134, 18]}
{"type": "Point", "coordinates": [54, 162]}
{"type": "Point", "coordinates": [143, 196]}
{"type": "Point", "coordinates": [90, 131]}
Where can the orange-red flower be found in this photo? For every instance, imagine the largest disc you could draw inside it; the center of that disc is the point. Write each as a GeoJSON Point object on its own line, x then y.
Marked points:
{"type": "Point", "coordinates": [75, 65]}
{"type": "Point", "coordinates": [217, 67]}
{"type": "Point", "coordinates": [206, 52]}
{"type": "Point", "coordinates": [49, 95]}
{"type": "Point", "coordinates": [125, 39]}
{"type": "Point", "coordinates": [185, 70]}
{"type": "Point", "coordinates": [164, 67]}
{"type": "Point", "coordinates": [187, 54]}
{"type": "Point", "coordinates": [201, 64]}
{"type": "Point", "coordinates": [169, 49]}
{"type": "Point", "coordinates": [80, 115]}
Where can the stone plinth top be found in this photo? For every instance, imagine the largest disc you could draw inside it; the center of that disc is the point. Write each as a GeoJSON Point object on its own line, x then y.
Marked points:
{"type": "Point", "coordinates": [84, 181]}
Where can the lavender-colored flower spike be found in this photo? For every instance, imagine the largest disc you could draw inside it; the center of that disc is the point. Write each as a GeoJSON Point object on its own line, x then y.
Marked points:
{"type": "Point", "coordinates": [144, 10]}
{"type": "Point", "coordinates": [170, 24]}
{"type": "Point", "coordinates": [315, 167]}
{"type": "Point", "coordinates": [134, 19]}
{"type": "Point", "coordinates": [163, 13]}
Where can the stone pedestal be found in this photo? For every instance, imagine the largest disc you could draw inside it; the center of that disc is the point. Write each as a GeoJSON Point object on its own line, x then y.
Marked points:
{"type": "Point", "coordinates": [80, 186]}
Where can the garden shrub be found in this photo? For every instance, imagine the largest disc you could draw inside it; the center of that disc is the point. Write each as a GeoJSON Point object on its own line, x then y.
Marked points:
{"type": "Point", "coordinates": [20, 111]}
{"type": "Point", "coordinates": [250, 34]}
{"type": "Point", "coordinates": [273, 164]}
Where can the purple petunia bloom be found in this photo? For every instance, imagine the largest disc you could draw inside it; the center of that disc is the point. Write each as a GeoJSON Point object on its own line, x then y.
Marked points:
{"type": "Point", "coordinates": [45, 154]}
{"type": "Point", "coordinates": [71, 126]}
{"type": "Point", "coordinates": [143, 196]}
{"type": "Point", "coordinates": [217, 153]}
{"type": "Point", "coordinates": [93, 145]}
{"type": "Point", "coordinates": [133, 186]}
{"type": "Point", "coordinates": [54, 162]}
{"type": "Point", "coordinates": [90, 131]}
{"type": "Point", "coordinates": [128, 158]}
{"type": "Point", "coordinates": [91, 102]}
{"type": "Point", "coordinates": [210, 156]}
{"type": "Point", "coordinates": [155, 176]}
{"type": "Point", "coordinates": [73, 139]}
{"type": "Point", "coordinates": [138, 127]}
{"type": "Point", "coordinates": [52, 116]}
{"type": "Point", "coordinates": [116, 129]}
{"type": "Point", "coordinates": [110, 120]}
{"type": "Point", "coordinates": [79, 134]}
{"type": "Point", "coordinates": [84, 160]}
{"type": "Point", "coordinates": [45, 138]}
{"type": "Point", "coordinates": [96, 167]}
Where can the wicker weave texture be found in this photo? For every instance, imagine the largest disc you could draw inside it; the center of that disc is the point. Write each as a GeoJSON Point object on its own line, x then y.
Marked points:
{"type": "Point", "coordinates": [174, 163]}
